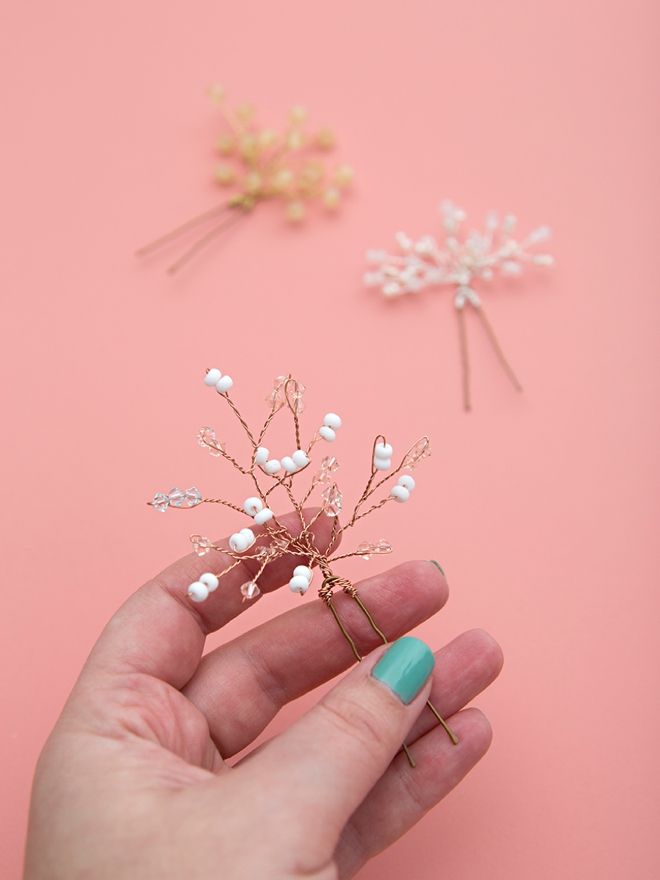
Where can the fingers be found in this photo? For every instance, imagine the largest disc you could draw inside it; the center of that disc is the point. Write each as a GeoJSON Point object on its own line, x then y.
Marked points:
{"type": "Point", "coordinates": [403, 795]}
{"type": "Point", "coordinates": [329, 760]}
{"type": "Point", "coordinates": [242, 685]}
{"type": "Point", "coordinates": [160, 632]}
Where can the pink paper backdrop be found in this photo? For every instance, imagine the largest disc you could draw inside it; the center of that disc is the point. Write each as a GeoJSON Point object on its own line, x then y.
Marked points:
{"type": "Point", "coordinates": [542, 508]}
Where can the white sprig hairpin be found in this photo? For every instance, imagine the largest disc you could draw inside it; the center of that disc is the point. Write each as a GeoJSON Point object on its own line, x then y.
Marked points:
{"type": "Point", "coordinates": [266, 538]}
{"type": "Point", "coordinates": [459, 262]}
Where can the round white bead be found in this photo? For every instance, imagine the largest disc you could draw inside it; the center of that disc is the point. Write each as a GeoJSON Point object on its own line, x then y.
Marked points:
{"type": "Point", "coordinates": [198, 591]}
{"type": "Point", "coordinates": [299, 584]}
{"type": "Point", "coordinates": [238, 542]}
{"type": "Point", "coordinates": [303, 571]}
{"type": "Point", "coordinates": [212, 377]}
{"type": "Point", "coordinates": [332, 420]}
{"type": "Point", "coordinates": [261, 456]}
{"type": "Point", "coordinates": [263, 516]}
{"type": "Point", "coordinates": [382, 464]}
{"type": "Point", "coordinates": [253, 505]}
{"type": "Point", "coordinates": [272, 466]}
{"type": "Point", "coordinates": [209, 580]}
{"type": "Point", "coordinates": [300, 458]}
{"type": "Point", "coordinates": [249, 536]}
{"type": "Point", "coordinates": [383, 450]}
{"type": "Point", "coordinates": [400, 493]}
{"type": "Point", "coordinates": [407, 482]}
{"type": "Point", "coordinates": [289, 464]}
{"type": "Point", "coordinates": [327, 433]}
{"type": "Point", "coordinates": [224, 384]}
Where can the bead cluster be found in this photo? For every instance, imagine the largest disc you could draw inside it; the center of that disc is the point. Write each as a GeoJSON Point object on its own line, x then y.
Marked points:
{"type": "Point", "coordinates": [401, 492]}
{"type": "Point", "coordinates": [200, 589]}
{"type": "Point", "coordinates": [176, 498]}
{"type": "Point", "coordinates": [331, 424]}
{"type": "Point", "coordinates": [301, 579]}
{"type": "Point", "coordinates": [215, 379]}
{"type": "Point", "coordinates": [383, 456]}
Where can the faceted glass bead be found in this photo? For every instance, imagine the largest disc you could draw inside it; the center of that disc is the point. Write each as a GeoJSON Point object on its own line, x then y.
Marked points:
{"type": "Point", "coordinates": [207, 440]}
{"type": "Point", "coordinates": [177, 497]}
{"type": "Point", "coordinates": [420, 451]}
{"type": "Point", "coordinates": [160, 502]}
{"type": "Point", "coordinates": [201, 545]}
{"type": "Point", "coordinates": [332, 500]}
{"type": "Point", "coordinates": [250, 590]}
{"type": "Point", "coordinates": [276, 396]}
{"type": "Point", "coordinates": [328, 466]}
{"type": "Point", "coordinates": [193, 497]}
{"type": "Point", "coordinates": [367, 549]}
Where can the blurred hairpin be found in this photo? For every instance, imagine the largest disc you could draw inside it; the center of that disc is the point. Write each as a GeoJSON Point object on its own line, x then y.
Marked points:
{"type": "Point", "coordinates": [263, 164]}
{"type": "Point", "coordinates": [271, 539]}
{"type": "Point", "coordinates": [458, 263]}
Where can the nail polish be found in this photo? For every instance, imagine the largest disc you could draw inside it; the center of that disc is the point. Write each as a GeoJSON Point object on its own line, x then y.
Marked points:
{"type": "Point", "coordinates": [405, 667]}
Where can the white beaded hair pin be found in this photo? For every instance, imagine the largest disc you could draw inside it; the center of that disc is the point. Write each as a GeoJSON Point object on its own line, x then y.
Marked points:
{"type": "Point", "coordinates": [263, 164]}
{"type": "Point", "coordinates": [459, 262]}
{"type": "Point", "coordinates": [265, 538]}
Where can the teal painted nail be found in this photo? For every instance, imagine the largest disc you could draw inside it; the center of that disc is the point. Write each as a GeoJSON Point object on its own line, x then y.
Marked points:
{"type": "Point", "coordinates": [437, 565]}
{"type": "Point", "coordinates": [405, 667]}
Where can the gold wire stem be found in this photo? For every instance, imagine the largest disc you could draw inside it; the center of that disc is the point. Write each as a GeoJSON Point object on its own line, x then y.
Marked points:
{"type": "Point", "coordinates": [441, 721]}
{"type": "Point", "coordinates": [343, 629]}
{"type": "Point", "coordinates": [372, 622]}
{"type": "Point", "coordinates": [465, 358]}
{"type": "Point", "coordinates": [179, 230]}
{"type": "Point", "coordinates": [206, 239]}
{"type": "Point", "coordinates": [508, 369]}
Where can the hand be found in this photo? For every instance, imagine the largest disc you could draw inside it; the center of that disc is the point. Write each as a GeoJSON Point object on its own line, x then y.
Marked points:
{"type": "Point", "coordinates": [133, 781]}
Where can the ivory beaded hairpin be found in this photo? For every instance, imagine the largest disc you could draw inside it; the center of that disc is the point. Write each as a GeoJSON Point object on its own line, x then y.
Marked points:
{"type": "Point", "coordinates": [263, 164]}
{"type": "Point", "coordinates": [265, 538]}
{"type": "Point", "coordinates": [458, 263]}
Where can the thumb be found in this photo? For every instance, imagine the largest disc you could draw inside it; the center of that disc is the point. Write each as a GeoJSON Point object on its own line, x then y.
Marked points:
{"type": "Point", "coordinates": [323, 767]}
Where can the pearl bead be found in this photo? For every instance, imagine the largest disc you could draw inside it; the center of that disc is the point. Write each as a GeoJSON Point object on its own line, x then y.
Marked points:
{"type": "Point", "coordinates": [327, 433]}
{"type": "Point", "coordinates": [263, 516]}
{"type": "Point", "coordinates": [299, 584]}
{"type": "Point", "coordinates": [253, 505]}
{"type": "Point", "coordinates": [332, 420]}
{"type": "Point", "coordinates": [303, 571]}
{"type": "Point", "coordinates": [383, 450]}
{"type": "Point", "coordinates": [289, 464]}
{"type": "Point", "coordinates": [249, 536]}
{"type": "Point", "coordinates": [382, 464]}
{"type": "Point", "coordinates": [212, 377]}
{"type": "Point", "coordinates": [400, 493]}
{"type": "Point", "coordinates": [224, 384]}
{"type": "Point", "coordinates": [198, 591]}
{"type": "Point", "coordinates": [209, 580]}
{"type": "Point", "coordinates": [238, 542]}
{"type": "Point", "coordinates": [272, 466]}
{"type": "Point", "coordinates": [261, 456]}
{"type": "Point", "coordinates": [407, 482]}
{"type": "Point", "coordinates": [300, 458]}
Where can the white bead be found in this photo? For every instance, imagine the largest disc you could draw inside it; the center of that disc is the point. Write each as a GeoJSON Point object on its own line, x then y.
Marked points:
{"type": "Point", "coordinates": [263, 516]}
{"type": "Point", "coordinates": [332, 420]}
{"type": "Point", "coordinates": [300, 458]}
{"type": "Point", "coordinates": [289, 464]}
{"type": "Point", "coordinates": [400, 493]}
{"type": "Point", "coordinates": [261, 456]}
{"type": "Point", "coordinates": [383, 450]}
{"type": "Point", "coordinates": [303, 571]}
{"type": "Point", "coordinates": [238, 542]}
{"type": "Point", "coordinates": [224, 384]}
{"type": "Point", "coordinates": [327, 433]}
{"type": "Point", "coordinates": [209, 580]}
{"type": "Point", "coordinates": [407, 482]}
{"type": "Point", "coordinates": [299, 584]}
{"type": "Point", "coordinates": [249, 536]}
{"type": "Point", "coordinates": [198, 591]}
{"type": "Point", "coordinates": [212, 377]}
{"type": "Point", "coordinates": [272, 466]}
{"type": "Point", "coordinates": [253, 505]}
{"type": "Point", "coordinates": [382, 464]}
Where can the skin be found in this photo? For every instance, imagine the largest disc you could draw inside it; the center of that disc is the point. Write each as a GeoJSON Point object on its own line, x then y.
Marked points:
{"type": "Point", "coordinates": [134, 781]}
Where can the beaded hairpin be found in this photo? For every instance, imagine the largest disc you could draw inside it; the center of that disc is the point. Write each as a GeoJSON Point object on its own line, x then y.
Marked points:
{"type": "Point", "coordinates": [476, 256]}
{"type": "Point", "coordinates": [266, 538]}
{"type": "Point", "coordinates": [263, 164]}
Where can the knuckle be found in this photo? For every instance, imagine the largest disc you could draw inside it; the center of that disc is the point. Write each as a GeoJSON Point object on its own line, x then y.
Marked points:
{"type": "Point", "coordinates": [357, 721]}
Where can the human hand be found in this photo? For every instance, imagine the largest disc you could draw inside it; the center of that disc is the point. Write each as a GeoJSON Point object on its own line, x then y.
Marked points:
{"type": "Point", "coordinates": [133, 782]}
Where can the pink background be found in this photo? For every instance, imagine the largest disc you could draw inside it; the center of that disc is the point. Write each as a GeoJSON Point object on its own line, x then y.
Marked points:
{"type": "Point", "coordinates": [542, 508]}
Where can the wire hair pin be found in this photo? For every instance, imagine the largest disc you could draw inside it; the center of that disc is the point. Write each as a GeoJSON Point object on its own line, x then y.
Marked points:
{"type": "Point", "coordinates": [267, 475]}
{"type": "Point", "coordinates": [262, 164]}
{"type": "Point", "coordinates": [459, 262]}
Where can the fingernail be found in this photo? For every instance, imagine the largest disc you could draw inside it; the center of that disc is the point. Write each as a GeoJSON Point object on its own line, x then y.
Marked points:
{"type": "Point", "coordinates": [405, 667]}
{"type": "Point", "coordinates": [437, 565]}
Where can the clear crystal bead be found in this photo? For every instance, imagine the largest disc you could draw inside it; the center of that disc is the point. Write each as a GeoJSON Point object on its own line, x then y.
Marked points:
{"type": "Point", "coordinates": [177, 497]}
{"type": "Point", "coordinates": [250, 590]}
{"type": "Point", "coordinates": [332, 500]}
{"type": "Point", "coordinates": [276, 396]}
{"type": "Point", "coordinates": [328, 466]}
{"type": "Point", "coordinates": [420, 451]}
{"type": "Point", "coordinates": [367, 549]}
{"type": "Point", "coordinates": [201, 545]}
{"type": "Point", "coordinates": [193, 497]}
{"type": "Point", "coordinates": [160, 502]}
{"type": "Point", "coordinates": [207, 439]}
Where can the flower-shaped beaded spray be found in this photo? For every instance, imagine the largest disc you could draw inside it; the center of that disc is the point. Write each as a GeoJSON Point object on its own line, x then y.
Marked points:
{"type": "Point", "coordinates": [264, 538]}
{"type": "Point", "coordinates": [459, 262]}
{"type": "Point", "coordinates": [263, 164]}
